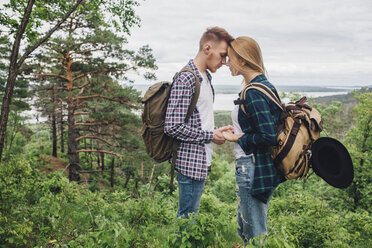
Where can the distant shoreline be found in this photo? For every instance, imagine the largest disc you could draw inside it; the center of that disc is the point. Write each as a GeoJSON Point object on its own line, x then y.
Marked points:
{"type": "Point", "coordinates": [234, 89]}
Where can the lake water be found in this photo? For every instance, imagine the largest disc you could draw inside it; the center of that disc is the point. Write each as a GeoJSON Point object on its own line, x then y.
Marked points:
{"type": "Point", "coordinates": [226, 101]}
{"type": "Point", "coordinates": [225, 94]}
{"type": "Point", "coordinates": [222, 101]}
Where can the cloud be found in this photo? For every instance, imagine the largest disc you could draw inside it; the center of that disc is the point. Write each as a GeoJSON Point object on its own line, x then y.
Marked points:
{"type": "Point", "coordinates": [318, 42]}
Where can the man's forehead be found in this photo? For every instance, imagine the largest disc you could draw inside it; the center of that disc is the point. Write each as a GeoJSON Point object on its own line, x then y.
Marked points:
{"type": "Point", "coordinates": [220, 45]}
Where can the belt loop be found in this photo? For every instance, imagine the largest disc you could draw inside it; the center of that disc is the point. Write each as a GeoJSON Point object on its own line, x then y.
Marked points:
{"type": "Point", "coordinates": [251, 156]}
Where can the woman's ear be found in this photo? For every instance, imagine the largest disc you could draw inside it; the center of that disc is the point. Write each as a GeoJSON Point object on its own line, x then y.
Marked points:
{"type": "Point", "coordinates": [242, 62]}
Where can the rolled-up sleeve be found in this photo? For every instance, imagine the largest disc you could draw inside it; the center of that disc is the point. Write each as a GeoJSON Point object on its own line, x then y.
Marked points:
{"type": "Point", "coordinates": [178, 104]}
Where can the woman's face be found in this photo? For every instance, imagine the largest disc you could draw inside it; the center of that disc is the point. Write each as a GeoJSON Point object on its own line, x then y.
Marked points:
{"type": "Point", "coordinates": [233, 70]}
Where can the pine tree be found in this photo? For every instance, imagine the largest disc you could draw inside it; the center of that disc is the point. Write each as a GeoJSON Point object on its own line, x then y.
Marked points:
{"type": "Point", "coordinates": [87, 57]}
{"type": "Point", "coordinates": [21, 94]}
{"type": "Point", "coordinates": [34, 22]}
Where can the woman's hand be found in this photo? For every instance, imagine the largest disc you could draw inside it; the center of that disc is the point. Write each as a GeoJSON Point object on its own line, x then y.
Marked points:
{"type": "Point", "coordinates": [231, 136]}
{"type": "Point", "coordinates": [217, 134]}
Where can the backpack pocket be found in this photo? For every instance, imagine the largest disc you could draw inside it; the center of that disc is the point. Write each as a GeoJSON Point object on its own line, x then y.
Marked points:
{"type": "Point", "coordinates": [159, 146]}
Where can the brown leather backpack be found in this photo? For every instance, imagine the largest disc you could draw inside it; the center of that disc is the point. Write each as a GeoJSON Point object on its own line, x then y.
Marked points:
{"type": "Point", "coordinates": [299, 126]}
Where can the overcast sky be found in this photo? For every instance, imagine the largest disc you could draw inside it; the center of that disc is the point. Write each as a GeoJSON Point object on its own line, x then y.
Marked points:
{"type": "Point", "coordinates": [304, 42]}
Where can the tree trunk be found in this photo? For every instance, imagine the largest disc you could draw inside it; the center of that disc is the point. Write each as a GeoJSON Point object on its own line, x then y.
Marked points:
{"type": "Point", "coordinates": [171, 183]}
{"type": "Point", "coordinates": [61, 129]}
{"type": "Point", "coordinates": [54, 126]}
{"type": "Point", "coordinates": [127, 178]}
{"type": "Point", "coordinates": [11, 136]}
{"type": "Point", "coordinates": [73, 147]}
{"type": "Point", "coordinates": [15, 65]}
{"type": "Point", "coordinates": [72, 143]}
{"type": "Point", "coordinates": [98, 160]}
{"type": "Point", "coordinates": [112, 171]}
{"type": "Point", "coordinates": [90, 154]}
{"type": "Point", "coordinates": [13, 71]}
{"type": "Point", "coordinates": [103, 160]}
{"type": "Point", "coordinates": [54, 132]}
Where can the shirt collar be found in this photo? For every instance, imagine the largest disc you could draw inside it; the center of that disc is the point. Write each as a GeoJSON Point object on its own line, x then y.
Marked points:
{"type": "Point", "coordinates": [259, 78]}
{"type": "Point", "coordinates": [192, 65]}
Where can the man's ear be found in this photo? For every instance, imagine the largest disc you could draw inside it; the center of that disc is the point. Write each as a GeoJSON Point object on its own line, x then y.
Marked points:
{"type": "Point", "coordinates": [206, 48]}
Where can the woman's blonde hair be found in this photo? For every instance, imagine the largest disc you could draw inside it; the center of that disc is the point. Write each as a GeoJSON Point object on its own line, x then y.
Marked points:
{"type": "Point", "coordinates": [245, 55]}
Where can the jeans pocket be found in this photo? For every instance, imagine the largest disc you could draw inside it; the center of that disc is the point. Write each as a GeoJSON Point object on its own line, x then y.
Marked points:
{"type": "Point", "coordinates": [241, 170]}
{"type": "Point", "coordinates": [183, 179]}
{"type": "Point", "coordinates": [244, 175]}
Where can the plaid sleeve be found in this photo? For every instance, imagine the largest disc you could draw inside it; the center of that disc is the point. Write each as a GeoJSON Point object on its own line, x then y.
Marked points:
{"type": "Point", "coordinates": [178, 104]}
{"type": "Point", "coordinates": [265, 129]}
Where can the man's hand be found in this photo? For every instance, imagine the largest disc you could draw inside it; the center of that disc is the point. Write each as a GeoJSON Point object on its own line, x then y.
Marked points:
{"type": "Point", "coordinates": [218, 137]}
{"type": "Point", "coordinates": [231, 136]}
{"type": "Point", "coordinates": [226, 128]}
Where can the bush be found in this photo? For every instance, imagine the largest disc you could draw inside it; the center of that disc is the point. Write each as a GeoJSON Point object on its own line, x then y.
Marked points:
{"type": "Point", "coordinates": [305, 220]}
{"type": "Point", "coordinates": [38, 210]}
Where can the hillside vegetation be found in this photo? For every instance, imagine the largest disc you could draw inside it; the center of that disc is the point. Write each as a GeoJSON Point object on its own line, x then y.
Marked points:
{"type": "Point", "coordinates": [80, 177]}
{"type": "Point", "coordinates": [39, 207]}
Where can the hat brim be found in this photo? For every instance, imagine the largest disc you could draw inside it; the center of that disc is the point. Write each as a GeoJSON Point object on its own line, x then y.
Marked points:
{"type": "Point", "coordinates": [332, 162]}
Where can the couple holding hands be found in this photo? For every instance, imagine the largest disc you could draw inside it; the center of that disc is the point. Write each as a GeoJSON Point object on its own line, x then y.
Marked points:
{"type": "Point", "coordinates": [252, 132]}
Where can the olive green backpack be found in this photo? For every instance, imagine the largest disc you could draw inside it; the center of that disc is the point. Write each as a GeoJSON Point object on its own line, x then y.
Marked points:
{"type": "Point", "coordinates": [160, 146]}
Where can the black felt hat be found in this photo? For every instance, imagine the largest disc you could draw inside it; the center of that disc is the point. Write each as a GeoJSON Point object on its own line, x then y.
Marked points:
{"type": "Point", "coordinates": [332, 162]}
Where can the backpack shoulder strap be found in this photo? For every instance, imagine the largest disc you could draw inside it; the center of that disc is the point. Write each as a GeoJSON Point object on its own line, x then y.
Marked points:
{"type": "Point", "coordinates": [268, 92]}
{"type": "Point", "coordinates": [195, 97]}
{"type": "Point", "coordinates": [265, 90]}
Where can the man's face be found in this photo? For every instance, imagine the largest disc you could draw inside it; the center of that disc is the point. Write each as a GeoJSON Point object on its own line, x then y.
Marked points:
{"type": "Point", "coordinates": [216, 56]}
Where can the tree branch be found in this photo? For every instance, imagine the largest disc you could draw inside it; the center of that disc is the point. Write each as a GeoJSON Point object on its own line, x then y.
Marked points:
{"type": "Point", "coordinates": [89, 73]}
{"type": "Point", "coordinates": [87, 124]}
{"type": "Point", "coordinates": [12, 76]}
{"type": "Point", "coordinates": [82, 113]}
{"type": "Point", "coordinates": [104, 151]}
{"type": "Point", "coordinates": [87, 51]}
{"type": "Point", "coordinates": [93, 137]}
{"type": "Point", "coordinates": [104, 97]}
{"type": "Point", "coordinates": [51, 31]}
{"type": "Point", "coordinates": [51, 75]}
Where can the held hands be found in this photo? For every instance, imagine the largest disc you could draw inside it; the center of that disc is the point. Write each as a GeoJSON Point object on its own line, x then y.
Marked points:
{"type": "Point", "coordinates": [218, 137]}
{"type": "Point", "coordinates": [231, 136]}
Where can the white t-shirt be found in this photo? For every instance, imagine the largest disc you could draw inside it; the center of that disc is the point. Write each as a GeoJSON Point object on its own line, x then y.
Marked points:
{"type": "Point", "coordinates": [237, 130]}
{"type": "Point", "coordinates": [205, 108]}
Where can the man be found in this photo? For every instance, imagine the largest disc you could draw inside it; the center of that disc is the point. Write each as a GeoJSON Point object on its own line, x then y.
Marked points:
{"type": "Point", "coordinates": [194, 155]}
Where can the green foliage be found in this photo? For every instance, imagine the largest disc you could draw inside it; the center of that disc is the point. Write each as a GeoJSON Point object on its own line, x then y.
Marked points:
{"type": "Point", "coordinates": [37, 210]}
{"type": "Point", "coordinates": [214, 226]}
{"type": "Point", "coordinates": [291, 96]}
{"type": "Point", "coordinates": [222, 179]}
{"type": "Point", "coordinates": [223, 118]}
{"type": "Point", "coordinates": [360, 147]}
{"type": "Point", "coordinates": [14, 141]}
{"type": "Point", "coordinates": [310, 213]}
{"type": "Point", "coordinates": [163, 184]}
{"type": "Point", "coordinates": [118, 14]}
{"type": "Point", "coordinates": [79, 70]}
{"type": "Point", "coordinates": [336, 117]}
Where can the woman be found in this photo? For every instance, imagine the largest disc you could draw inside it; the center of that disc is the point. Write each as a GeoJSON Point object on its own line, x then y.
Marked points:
{"type": "Point", "coordinates": [256, 176]}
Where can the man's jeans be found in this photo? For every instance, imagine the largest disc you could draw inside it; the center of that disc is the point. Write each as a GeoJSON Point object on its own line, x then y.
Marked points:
{"type": "Point", "coordinates": [252, 213]}
{"type": "Point", "coordinates": [190, 192]}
